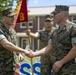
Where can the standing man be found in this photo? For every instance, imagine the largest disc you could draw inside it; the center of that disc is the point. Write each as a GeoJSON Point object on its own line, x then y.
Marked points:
{"type": "Point", "coordinates": [44, 36]}
{"type": "Point", "coordinates": [62, 44]}
{"type": "Point", "coordinates": [8, 43]}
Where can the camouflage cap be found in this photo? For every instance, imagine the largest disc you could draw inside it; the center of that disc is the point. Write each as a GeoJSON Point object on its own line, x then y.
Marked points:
{"type": "Point", "coordinates": [59, 8]}
{"type": "Point", "coordinates": [48, 17]}
{"type": "Point", "coordinates": [8, 12]}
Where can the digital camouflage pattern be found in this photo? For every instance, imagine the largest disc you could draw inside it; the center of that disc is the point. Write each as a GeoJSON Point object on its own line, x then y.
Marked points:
{"type": "Point", "coordinates": [61, 41]}
{"type": "Point", "coordinates": [7, 63]}
{"type": "Point", "coordinates": [45, 60]}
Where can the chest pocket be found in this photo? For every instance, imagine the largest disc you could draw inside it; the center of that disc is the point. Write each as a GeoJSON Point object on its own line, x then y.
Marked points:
{"type": "Point", "coordinates": [44, 36]}
{"type": "Point", "coordinates": [62, 38]}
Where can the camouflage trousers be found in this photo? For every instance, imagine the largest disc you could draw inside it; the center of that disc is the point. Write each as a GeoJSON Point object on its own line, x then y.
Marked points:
{"type": "Point", "coordinates": [67, 70]}
{"type": "Point", "coordinates": [45, 65]}
{"type": "Point", "coordinates": [6, 73]}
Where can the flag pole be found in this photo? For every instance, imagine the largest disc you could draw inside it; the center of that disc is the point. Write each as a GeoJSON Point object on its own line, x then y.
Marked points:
{"type": "Point", "coordinates": [27, 24]}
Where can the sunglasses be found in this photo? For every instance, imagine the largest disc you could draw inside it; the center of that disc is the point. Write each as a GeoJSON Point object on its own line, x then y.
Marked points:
{"type": "Point", "coordinates": [48, 21]}
{"type": "Point", "coordinates": [10, 16]}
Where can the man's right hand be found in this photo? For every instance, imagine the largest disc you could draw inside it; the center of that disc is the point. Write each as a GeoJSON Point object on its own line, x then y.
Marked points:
{"type": "Point", "coordinates": [32, 54]}
{"type": "Point", "coordinates": [29, 53]}
{"type": "Point", "coordinates": [28, 32]}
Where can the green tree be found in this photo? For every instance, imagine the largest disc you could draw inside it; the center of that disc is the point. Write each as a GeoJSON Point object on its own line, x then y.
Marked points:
{"type": "Point", "coordinates": [6, 3]}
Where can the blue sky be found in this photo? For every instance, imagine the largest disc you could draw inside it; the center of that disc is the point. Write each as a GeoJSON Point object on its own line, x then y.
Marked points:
{"type": "Point", "coordinates": [36, 3]}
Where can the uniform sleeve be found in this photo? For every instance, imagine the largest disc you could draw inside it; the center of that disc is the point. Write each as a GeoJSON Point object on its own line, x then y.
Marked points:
{"type": "Point", "coordinates": [39, 34]}
{"type": "Point", "coordinates": [73, 35]}
{"type": "Point", "coordinates": [2, 37]}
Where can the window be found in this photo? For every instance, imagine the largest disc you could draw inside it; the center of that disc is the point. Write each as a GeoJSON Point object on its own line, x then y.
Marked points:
{"type": "Point", "coordinates": [74, 19]}
{"type": "Point", "coordinates": [24, 42]}
{"type": "Point", "coordinates": [23, 24]}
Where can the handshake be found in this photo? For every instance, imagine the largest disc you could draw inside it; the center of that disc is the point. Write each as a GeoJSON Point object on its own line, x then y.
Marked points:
{"type": "Point", "coordinates": [29, 53]}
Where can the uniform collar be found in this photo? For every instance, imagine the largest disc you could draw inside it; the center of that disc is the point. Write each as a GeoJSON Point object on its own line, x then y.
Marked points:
{"type": "Point", "coordinates": [64, 28]}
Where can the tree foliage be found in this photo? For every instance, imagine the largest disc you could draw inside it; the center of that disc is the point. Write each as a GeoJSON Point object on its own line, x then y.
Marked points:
{"type": "Point", "coordinates": [6, 3]}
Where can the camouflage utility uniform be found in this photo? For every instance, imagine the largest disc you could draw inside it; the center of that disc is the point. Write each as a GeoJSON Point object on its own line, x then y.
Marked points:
{"type": "Point", "coordinates": [62, 40]}
{"type": "Point", "coordinates": [7, 63]}
{"type": "Point", "coordinates": [44, 36]}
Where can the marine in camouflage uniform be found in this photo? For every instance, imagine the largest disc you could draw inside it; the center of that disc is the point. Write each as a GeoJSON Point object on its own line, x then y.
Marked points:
{"type": "Point", "coordinates": [7, 57]}
{"type": "Point", "coordinates": [8, 43]}
{"type": "Point", "coordinates": [45, 60]}
{"type": "Point", "coordinates": [62, 45]}
{"type": "Point", "coordinates": [62, 40]}
{"type": "Point", "coordinates": [44, 36]}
